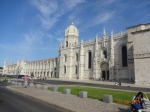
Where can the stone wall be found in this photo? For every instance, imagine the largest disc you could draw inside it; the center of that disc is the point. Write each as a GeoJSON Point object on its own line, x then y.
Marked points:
{"type": "Point", "coordinates": [142, 55]}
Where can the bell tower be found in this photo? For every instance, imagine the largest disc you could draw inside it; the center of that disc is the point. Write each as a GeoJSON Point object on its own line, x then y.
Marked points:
{"type": "Point", "coordinates": [71, 36]}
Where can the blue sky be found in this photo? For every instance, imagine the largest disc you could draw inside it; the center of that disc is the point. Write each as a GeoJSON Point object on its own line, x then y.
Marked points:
{"type": "Point", "coordinates": [33, 29]}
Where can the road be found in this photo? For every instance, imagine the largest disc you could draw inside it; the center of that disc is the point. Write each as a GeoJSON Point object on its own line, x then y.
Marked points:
{"type": "Point", "coordinates": [14, 102]}
{"type": "Point", "coordinates": [96, 85]}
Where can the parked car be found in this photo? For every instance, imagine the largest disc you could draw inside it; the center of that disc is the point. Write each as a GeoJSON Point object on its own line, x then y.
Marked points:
{"type": "Point", "coordinates": [20, 76]}
{"type": "Point", "coordinates": [14, 76]}
{"type": "Point", "coordinates": [9, 76]}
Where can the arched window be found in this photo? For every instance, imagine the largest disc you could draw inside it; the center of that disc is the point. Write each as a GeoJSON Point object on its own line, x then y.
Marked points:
{"type": "Point", "coordinates": [66, 43]}
{"type": "Point", "coordinates": [76, 56]}
{"type": "Point", "coordinates": [89, 59]}
{"type": "Point", "coordinates": [76, 70]}
{"type": "Point", "coordinates": [64, 69]}
{"type": "Point", "coordinates": [105, 54]}
{"type": "Point", "coordinates": [124, 56]}
{"type": "Point", "coordinates": [65, 58]}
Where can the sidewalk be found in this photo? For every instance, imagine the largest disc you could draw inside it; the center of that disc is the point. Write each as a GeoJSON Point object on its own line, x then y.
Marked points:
{"type": "Point", "coordinates": [70, 103]}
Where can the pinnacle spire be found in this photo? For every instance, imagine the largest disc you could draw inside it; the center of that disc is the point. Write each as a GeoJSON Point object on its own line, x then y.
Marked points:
{"type": "Point", "coordinates": [104, 32]}
{"type": "Point", "coordinates": [82, 40]}
{"type": "Point", "coordinates": [97, 35]}
{"type": "Point", "coordinates": [111, 33]}
{"type": "Point", "coordinates": [96, 38]}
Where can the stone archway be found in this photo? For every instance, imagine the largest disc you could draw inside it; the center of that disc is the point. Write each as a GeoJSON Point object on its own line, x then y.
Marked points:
{"type": "Point", "coordinates": [18, 72]}
{"type": "Point", "coordinates": [35, 74]}
{"type": "Point", "coordinates": [105, 71]}
{"type": "Point", "coordinates": [38, 74]}
{"type": "Point", "coordinates": [51, 74]}
{"type": "Point", "coordinates": [47, 73]}
{"type": "Point", "coordinates": [41, 74]}
{"type": "Point", "coordinates": [44, 73]}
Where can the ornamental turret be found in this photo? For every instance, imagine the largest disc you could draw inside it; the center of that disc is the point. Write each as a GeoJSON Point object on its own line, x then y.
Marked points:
{"type": "Point", "coordinates": [103, 37]}
{"type": "Point", "coordinates": [112, 48]}
{"type": "Point", "coordinates": [71, 36]}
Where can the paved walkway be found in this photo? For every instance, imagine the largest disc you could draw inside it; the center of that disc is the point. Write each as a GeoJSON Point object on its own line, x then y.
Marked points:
{"type": "Point", "coordinates": [69, 102]}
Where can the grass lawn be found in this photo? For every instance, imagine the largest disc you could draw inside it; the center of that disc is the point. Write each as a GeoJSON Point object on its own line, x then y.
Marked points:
{"type": "Point", "coordinates": [121, 97]}
{"type": "Point", "coordinates": [5, 78]}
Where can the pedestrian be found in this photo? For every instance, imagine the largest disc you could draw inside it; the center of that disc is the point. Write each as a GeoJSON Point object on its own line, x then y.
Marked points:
{"type": "Point", "coordinates": [138, 102]}
{"type": "Point", "coordinates": [43, 78]}
{"type": "Point", "coordinates": [116, 83]}
{"type": "Point", "coordinates": [32, 76]}
{"type": "Point", "coordinates": [25, 81]}
{"type": "Point", "coordinates": [119, 83]}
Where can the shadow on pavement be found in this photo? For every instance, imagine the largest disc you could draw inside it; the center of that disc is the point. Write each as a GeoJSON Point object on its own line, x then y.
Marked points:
{"type": "Point", "coordinates": [124, 110]}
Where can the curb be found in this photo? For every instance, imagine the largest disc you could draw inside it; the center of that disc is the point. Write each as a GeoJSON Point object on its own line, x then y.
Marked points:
{"type": "Point", "coordinates": [35, 98]}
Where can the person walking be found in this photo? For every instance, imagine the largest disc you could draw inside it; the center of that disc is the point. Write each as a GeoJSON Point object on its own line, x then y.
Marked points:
{"type": "Point", "coordinates": [25, 81]}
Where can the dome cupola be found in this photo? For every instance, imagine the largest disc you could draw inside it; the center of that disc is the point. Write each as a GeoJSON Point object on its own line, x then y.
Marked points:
{"type": "Point", "coordinates": [71, 36]}
{"type": "Point", "coordinates": [71, 30]}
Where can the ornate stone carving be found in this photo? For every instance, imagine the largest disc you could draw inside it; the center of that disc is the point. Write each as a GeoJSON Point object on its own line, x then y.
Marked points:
{"type": "Point", "coordinates": [142, 55]}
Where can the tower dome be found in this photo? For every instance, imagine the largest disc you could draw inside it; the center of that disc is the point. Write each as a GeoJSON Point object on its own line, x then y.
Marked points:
{"type": "Point", "coordinates": [71, 30]}
{"type": "Point", "coordinates": [71, 36]}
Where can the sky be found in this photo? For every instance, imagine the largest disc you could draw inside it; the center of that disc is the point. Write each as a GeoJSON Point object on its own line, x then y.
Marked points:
{"type": "Point", "coordinates": [32, 29]}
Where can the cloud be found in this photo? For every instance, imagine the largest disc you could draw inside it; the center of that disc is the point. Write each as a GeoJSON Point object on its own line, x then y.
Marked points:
{"type": "Point", "coordinates": [32, 38]}
{"type": "Point", "coordinates": [101, 18]}
{"type": "Point", "coordinates": [96, 5]}
{"type": "Point", "coordinates": [29, 44]}
{"type": "Point", "coordinates": [75, 16]}
{"type": "Point", "coordinates": [58, 35]}
{"type": "Point", "coordinates": [92, 13]}
{"type": "Point", "coordinates": [73, 3]}
{"type": "Point", "coordinates": [50, 11]}
{"type": "Point", "coordinates": [45, 7]}
{"type": "Point", "coordinates": [48, 22]}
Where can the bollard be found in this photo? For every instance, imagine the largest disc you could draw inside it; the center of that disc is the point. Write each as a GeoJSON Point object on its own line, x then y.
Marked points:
{"type": "Point", "coordinates": [55, 89]}
{"type": "Point", "coordinates": [12, 82]}
{"type": "Point", "coordinates": [16, 83]}
{"type": "Point", "coordinates": [44, 87]}
{"type": "Point", "coordinates": [38, 86]}
{"type": "Point", "coordinates": [31, 84]}
{"type": "Point", "coordinates": [66, 91]}
{"type": "Point", "coordinates": [83, 94]}
{"type": "Point", "coordinates": [108, 99]}
{"type": "Point", "coordinates": [19, 83]}
{"type": "Point", "coordinates": [9, 81]}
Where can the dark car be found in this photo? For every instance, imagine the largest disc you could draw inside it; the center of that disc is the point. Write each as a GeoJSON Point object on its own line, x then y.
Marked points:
{"type": "Point", "coordinates": [13, 76]}
{"type": "Point", "coordinates": [20, 76]}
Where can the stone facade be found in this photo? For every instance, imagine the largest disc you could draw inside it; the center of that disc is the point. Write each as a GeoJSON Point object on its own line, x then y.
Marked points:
{"type": "Point", "coordinates": [123, 57]}
{"type": "Point", "coordinates": [140, 36]}
{"type": "Point", "coordinates": [1, 70]}
{"type": "Point", "coordinates": [99, 58]}
{"type": "Point", "coordinates": [40, 68]}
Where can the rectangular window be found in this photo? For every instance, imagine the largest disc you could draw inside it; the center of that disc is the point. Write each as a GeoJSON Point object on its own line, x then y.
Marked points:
{"type": "Point", "coordinates": [77, 57]}
{"type": "Point", "coordinates": [76, 70]}
{"type": "Point", "coordinates": [90, 60]}
{"type": "Point", "coordinates": [124, 56]}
